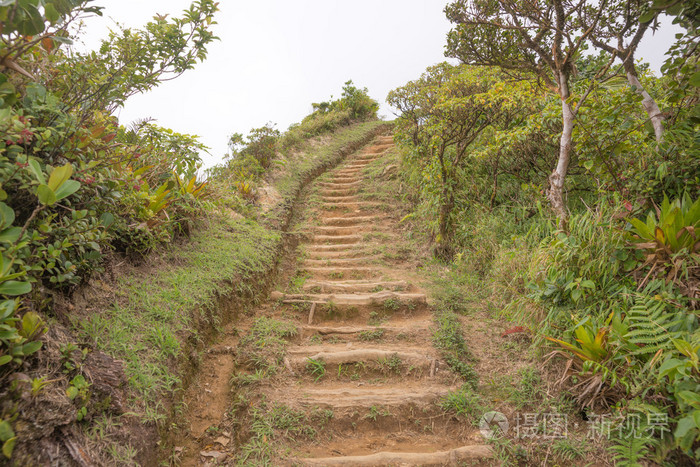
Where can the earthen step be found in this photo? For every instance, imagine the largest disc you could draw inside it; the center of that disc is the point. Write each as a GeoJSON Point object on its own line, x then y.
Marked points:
{"type": "Point", "coordinates": [339, 199]}
{"type": "Point", "coordinates": [354, 286]}
{"type": "Point", "coordinates": [357, 165]}
{"type": "Point", "coordinates": [348, 180]}
{"type": "Point", "coordinates": [378, 298]}
{"type": "Point", "coordinates": [326, 255]}
{"type": "Point", "coordinates": [407, 393]}
{"type": "Point", "coordinates": [331, 193]}
{"type": "Point", "coordinates": [338, 239]}
{"type": "Point", "coordinates": [313, 262]}
{"type": "Point", "coordinates": [348, 172]}
{"type": "Point", "coordinates": [349, 204]}
{"type": "Point", "coordinates": [453, 457]}
{"type": "Point", "coordinates": [340, 230]}
{"type": "Point", "coordinates": [315, 248]}
{"type": "Point", "coordinates": [339, 184]}
{"type": "Point", "coordinates": [355, 330]}
{"type": "Point", "coordinates": [343, 273]}
{"type": "Point", "coordinates": [301, 356]}
{"type": "Point", "coordinates": [350, 220]}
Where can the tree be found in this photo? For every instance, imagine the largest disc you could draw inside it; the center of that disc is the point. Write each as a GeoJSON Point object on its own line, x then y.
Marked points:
{"type": "Point", "coordinates": [24, 25]}
{"type": "Point", "coordinates": [132, 61]}
{"type": "Point", "coordinates": [443, 114]}
{"type": "Point", "coordinates": [540, 37]}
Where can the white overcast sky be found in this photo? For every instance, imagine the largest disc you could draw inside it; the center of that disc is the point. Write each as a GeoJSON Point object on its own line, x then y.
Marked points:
{"type": "Point", "coordinates": [276, 57]}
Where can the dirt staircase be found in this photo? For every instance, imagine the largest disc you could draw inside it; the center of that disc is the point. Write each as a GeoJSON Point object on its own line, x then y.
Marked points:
{"type": "Point", "coordinates": [364, 347]}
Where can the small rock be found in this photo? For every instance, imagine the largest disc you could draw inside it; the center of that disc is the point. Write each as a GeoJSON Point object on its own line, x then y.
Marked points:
{"type": "Point", "coordinates": [222, 440]}
{"type": "Point", "coordinates": [389, 171]}
{"type": "Point", "coordinates": [216, 455]}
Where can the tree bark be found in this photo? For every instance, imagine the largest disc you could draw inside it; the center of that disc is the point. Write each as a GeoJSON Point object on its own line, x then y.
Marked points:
{"type": "Point", "coordinates": [443, 248]}
{"type": "Point", "coordinates": [558, 176]}
{"type": "Point", "coordinates": [495, 181]}
{"type": "Point", "coordinates": [648, 102]}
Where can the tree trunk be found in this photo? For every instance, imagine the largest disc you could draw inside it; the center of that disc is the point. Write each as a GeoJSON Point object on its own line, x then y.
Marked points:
{"type": "Point", "coordinates": [558, 176]}
{"type": "Point", "coordinates": [648, 102]}
{"type": "Point", "coordinates": [495, 181]}
{"type": "Point", "coordinates": [443, 248]}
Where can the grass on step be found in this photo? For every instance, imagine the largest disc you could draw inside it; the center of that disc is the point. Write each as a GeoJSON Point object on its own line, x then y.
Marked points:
{"type": "Point", "coordinates": [464, 402]}
{"type": "Point", "coordinates": [374, 335]}
{"type": "Point", "coordinates": [273, 427]}
{"type": "Point", "coordinates": [263, 347]}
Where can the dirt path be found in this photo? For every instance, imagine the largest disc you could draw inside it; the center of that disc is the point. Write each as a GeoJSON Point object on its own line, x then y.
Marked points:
{"type": "Point", "coordinates": [381, 377]}
{"type": "Point", "coordinates": [341, 363]}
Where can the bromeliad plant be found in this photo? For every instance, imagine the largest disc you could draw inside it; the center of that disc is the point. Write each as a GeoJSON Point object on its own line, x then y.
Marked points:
{"type": "Point", "coordinates": [593, 371]}
{"type": "Point", "coordinates": [670, 237]}
{"type": "Point", "coordinates": [670, 229]}
{"type": "Point", "coordinates": [591, 342]}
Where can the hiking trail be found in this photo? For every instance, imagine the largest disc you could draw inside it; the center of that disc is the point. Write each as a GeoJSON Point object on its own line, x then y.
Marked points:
{"type": "Point", "coordinates": [360, 371]}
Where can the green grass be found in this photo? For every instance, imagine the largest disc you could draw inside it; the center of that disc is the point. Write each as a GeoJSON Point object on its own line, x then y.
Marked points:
{"type": "Point", "coordinates": [373, 335]}
{"type": "Point", "coordinates": [375, 412]}
{"type": "Point", "coordinates": [155, 311]}
{"type": "Point", "coordinates": [449, 339]}
{"type": "Point", "coordinates": [528, 391]}
{"type": "Point", "coordinates": [391, 364]}
{"type": "Point", "coordinates": [262, 348]}
{"type": "Point", "coordinates": [317, 368]}
{"type": "Point", "coordinates": [270, 424]}
{"type": "Point", "coordinates": [392, 304]}
{"type": "Point", "coordinates": [273, 426]}
{"type": "Point", "coordinates": [464, 402]}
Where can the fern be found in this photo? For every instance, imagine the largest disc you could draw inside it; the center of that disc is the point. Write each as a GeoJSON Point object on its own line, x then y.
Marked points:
{"type": "Point", "coordinates": [629, 451]}
{"type": "Point", "coordinates": [650, 325]}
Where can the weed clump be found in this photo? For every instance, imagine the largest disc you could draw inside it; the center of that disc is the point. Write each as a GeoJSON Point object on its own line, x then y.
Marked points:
{"type": "Point", "coordinates": [449, 339]}
{"type": "Point", "coordinates": [263, 347]}
{"type": "Point", "coordinates": [464, 402]}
